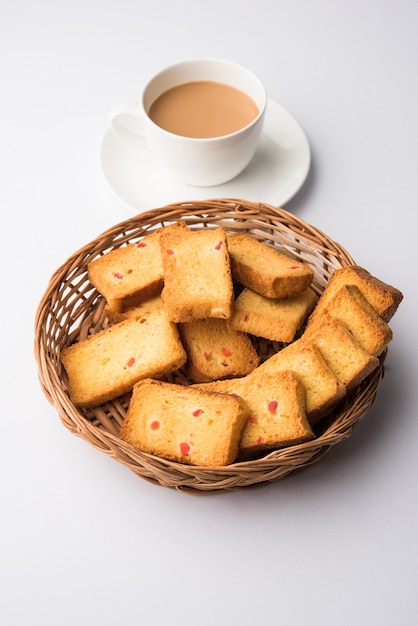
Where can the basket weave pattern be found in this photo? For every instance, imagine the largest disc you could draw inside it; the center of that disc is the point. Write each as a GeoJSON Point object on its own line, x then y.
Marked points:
{"type": "Point", "coordinates": [71, 309]}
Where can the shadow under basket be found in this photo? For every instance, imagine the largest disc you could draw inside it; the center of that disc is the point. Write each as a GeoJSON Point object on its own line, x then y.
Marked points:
{"type": "Point", "coordinates": [71, 310]}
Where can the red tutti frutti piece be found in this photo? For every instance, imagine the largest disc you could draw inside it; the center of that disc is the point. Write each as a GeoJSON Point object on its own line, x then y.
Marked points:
{"type": "Point", "coordinates": [226, 352]}
{"type": "Point", "coordinates": [155, 425]}
{"type": "Point", "coordinates": [218, 245]}
{"type": "Point", "coordinates": [197, 412]}
{"type": "Point", "coordinates": [273, 406]}
{"type": "Point", "coordinates": [294, 267]}
{"type": "Point", "coordinates": [142, 244]}
{"type": "Point", "coordinates": [184, 448]}
{"type": "Point", "coordinates": [130, 361]}
{"type": "Point", "coordinates": [170, 251]}
{"type": "Point", "coordinates": [118, 275]}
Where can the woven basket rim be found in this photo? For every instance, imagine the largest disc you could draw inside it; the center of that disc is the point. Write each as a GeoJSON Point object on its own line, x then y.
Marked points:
{"type": "Point", "coordinates": [70, 307]}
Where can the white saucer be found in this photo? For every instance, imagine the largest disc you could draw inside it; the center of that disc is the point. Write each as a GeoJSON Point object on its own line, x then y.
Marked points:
{"type": "Point", "coordinates": [276, 173]}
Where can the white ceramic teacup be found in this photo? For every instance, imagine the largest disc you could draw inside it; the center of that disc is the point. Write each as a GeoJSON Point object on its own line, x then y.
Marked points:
{"type": "Point", "coordinates": [201, 162]}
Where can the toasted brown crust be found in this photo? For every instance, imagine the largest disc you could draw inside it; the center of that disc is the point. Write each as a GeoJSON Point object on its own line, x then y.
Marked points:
{"type": "Point", "coordinates": [350, 307]}
{"type": "Point", "coordinates": [384, 298]}
{"type": "Point", "coordinates": [344, 355]}
{"type": "Point", "coordinates": [276, 319]}
{"type": "Point", "coordinates": [266, 270]}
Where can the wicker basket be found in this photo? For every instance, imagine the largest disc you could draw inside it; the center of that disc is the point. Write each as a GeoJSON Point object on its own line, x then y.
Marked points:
{"type": "Point", "coordinates": [72, 309]}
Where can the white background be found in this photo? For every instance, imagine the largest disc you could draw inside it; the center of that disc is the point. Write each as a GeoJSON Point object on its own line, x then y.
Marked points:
{"type": "Point", "coordinates": [85, 541]}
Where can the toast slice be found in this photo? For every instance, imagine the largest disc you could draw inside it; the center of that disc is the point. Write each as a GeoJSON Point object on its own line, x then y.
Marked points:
{"type": "Point", "coordinates": [322, 387]}
{"type": "Point", "coordinates": [129, 275]}
{"type": "Point", "coordinates": [215, 350]}
{"type": "Point", "coordinates": [344, 355]}
{"type": "Point", "coordinates": [350, 307]}
{"type": "Point", "coordinates": [276, 319]}
{"type": "Point", "coordinates": [277, 411]}
{"type": "Point", "coordinates": [264, 269]}
{"type": "Point", "coordinates": [384, 298]}
{"type": "Point", "coordinates": [109, 363]}
{"type": "Point", "coordinates": [184, 424]}
{"type": "Point", "coordinates": [197, 274]}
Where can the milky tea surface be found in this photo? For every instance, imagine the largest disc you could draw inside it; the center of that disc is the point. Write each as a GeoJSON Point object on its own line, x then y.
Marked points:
{"type": "Point", "coordinates": [203, 109]}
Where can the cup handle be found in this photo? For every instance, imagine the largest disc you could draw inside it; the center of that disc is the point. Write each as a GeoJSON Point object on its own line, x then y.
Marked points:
{"type": "Point", "coordinates": [127, 122]}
